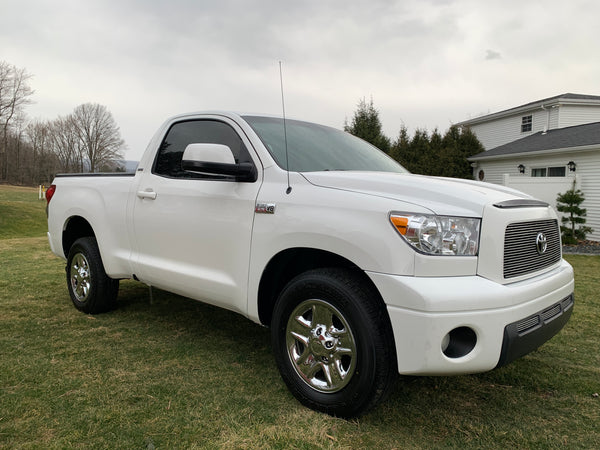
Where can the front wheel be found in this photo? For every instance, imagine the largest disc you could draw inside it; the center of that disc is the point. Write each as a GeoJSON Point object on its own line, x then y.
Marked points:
{"type": "Point", "coordinates": [333, 342]}
{"type": "Point", "coordinates": [91, 290]}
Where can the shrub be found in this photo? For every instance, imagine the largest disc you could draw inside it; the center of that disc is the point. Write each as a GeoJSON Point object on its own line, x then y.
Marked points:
{"type": "Point", "coordinates": [573, 228]}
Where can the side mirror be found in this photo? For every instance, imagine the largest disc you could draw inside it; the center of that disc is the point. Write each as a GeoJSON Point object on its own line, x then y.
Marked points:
{"type": "Point", "coordinates": [216, 159]}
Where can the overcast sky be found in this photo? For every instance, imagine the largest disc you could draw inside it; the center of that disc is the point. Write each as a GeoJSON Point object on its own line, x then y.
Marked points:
{"type": "Point", "coordinates": [425, 63]}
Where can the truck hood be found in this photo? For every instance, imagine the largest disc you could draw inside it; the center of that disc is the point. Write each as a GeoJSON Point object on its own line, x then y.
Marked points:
{"type": "Point", "coordinates": [444, 196]}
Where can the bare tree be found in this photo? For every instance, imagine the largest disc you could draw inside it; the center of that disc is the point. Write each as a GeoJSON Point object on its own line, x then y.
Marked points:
{"type": "Point", "coordinates": [99, 135]}
{"type": "Point", "coordinates": [44, 164]}
{"type": "Point", "coordinates": [66, 145]}
{"type": "Point", "coordinates": [14, 95]}
{"type": "Point", "coordinates": [88, 139]}
{"type": "Point", "coordinates": [19, 148]}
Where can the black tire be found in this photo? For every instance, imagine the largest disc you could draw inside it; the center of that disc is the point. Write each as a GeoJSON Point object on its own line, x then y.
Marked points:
{"type": "Point", "coordinates": [333, 342]}
{"type": "Point", "coordinates": [91, 290]}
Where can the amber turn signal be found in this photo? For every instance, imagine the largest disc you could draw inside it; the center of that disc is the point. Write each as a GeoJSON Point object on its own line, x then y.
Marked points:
{"type": "Point", "coordinates": [401, 224]}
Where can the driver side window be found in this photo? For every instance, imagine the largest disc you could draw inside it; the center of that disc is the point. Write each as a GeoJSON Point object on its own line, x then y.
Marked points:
{"type": "Point", "coordinates": [181, 134]}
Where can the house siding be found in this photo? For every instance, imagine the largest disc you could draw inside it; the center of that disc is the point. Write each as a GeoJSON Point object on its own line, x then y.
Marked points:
{"type": "Point", "coordinates": [588, 168]}
{"type": "Point", "coordinates": [587, 174]}
{"type": "Point", "coordinates": [554, 120]}
{"type": "Point", "coordinates": [577, 115]}
{"type": "Point", "coordinates": [502, 131]}
{"type": "Point", "coordinates": [562, 111]}
{"type": "Point", "coordinates": [494, 170]}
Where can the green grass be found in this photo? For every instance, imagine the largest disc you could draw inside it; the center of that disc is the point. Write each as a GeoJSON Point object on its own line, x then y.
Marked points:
{"type": "Point", "coordinates": [22, 214]}
{"type": "Point", "coordinates": [180, 374]}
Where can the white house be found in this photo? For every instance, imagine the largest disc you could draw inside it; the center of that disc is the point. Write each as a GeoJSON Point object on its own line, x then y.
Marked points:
{"type": "Point", "coordinates": [542, 148]}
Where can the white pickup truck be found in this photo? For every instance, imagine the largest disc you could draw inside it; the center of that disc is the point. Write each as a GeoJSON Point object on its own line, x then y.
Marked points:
{"type": "Point", "coordinates": [361, 270]}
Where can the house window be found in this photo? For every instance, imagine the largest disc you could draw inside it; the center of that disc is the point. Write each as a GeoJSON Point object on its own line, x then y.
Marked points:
{"type": "Point", "coordinates": [526, 122]}
{"type": "Point", "coordinates": [540, 172]}
{"type": "Point", "coordinates": [549, 171]}
{"type": "Point", "coordinates": [557, 171]}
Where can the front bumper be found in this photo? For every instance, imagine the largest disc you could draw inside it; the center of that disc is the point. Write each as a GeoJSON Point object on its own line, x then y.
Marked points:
{"type": "Point", "coordinates": [424, 312]}
{"type": "Point", "coordinates": [526, 335]}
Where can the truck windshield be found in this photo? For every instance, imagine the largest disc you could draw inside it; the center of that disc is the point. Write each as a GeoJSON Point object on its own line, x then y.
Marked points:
{"type": "Point", "coordinates": [313, 148]}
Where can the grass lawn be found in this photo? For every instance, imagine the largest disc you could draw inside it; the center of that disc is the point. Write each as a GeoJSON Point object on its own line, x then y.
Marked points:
{"type": "Point", "coordinates": [180, 374]}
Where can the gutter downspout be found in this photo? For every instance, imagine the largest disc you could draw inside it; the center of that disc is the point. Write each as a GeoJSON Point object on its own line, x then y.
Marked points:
{"type": "Point", "coordinates": [547, 119]}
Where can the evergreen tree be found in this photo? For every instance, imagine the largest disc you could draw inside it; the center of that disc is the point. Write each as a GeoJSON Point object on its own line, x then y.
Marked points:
{"type": "Point", "coordinates": [412, 153]}
{"type": "Point", "coordinates": [435, 160]}
{"type": "Point", "coordinates": [469, 145]}
{"type": "Point", "coordinates": [366, 125]}
{"type": "Point", "coordinates": [459, 144]}
{"type": "Point", "coordinates": [569, 203]}
{"type": "Point", "coordinates": [400, 148]}
{"type": "Point", "coordinates": [422, 154]}
{"type": "Point", "coordinates": [419, 157]}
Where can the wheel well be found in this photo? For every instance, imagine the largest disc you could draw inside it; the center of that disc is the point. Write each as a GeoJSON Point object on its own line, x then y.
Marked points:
{"type": "Point", "coordinates": [76, 227]}
{"type": "Point", "coordinates": [289, 263]}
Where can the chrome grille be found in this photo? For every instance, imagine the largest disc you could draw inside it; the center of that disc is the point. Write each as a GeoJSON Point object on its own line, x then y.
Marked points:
{"type": "Point", "coordinates": [535, 321]}
{"type": "Point", "coordinates": [528, 323]}
{"type": "Point", "coordinates": [521, 254]}
{"type": "Point", "coordinates": [549, 313]}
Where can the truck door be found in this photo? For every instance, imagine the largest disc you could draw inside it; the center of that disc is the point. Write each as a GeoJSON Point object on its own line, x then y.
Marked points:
{"type": "Point", "coordinates": [192, 232]}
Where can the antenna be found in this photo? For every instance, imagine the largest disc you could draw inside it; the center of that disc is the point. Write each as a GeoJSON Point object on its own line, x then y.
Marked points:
{"type": "Point", "coordinates": [287, 163]}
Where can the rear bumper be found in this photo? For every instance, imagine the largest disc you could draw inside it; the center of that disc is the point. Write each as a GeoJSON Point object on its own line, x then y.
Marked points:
{"type": "Point", "coordinates": [54, 246]}
{"type": "Point", "coordinates": [428, 312]}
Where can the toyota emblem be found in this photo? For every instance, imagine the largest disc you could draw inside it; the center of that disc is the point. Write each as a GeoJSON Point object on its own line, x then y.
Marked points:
{"type": "Point", "coordinates": [541, 243]}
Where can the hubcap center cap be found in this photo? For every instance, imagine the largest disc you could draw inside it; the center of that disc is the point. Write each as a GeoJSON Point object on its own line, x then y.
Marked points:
{"type": "Point", "coordinates": [322, 343]}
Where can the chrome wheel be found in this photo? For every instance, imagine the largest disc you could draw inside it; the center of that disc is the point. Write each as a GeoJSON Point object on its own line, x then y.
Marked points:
{"type": "Point", "coordinates": [81, 279]}
{"type": "Point", "coordinates": [333, 341]}
{"type": "Point", "coordinates": [321, 346]}
{"type": "Point", "coordinates": [90, 289]}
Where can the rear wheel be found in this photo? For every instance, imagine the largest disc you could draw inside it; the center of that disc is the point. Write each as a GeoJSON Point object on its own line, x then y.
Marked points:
{"type": "Point", "coordinates": [333, 342]}
{"type": "Point", "coordinates": [91, 290]}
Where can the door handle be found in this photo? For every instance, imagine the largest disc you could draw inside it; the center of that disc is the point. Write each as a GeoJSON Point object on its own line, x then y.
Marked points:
{"type": "Point", "coordinates": [148, 193]}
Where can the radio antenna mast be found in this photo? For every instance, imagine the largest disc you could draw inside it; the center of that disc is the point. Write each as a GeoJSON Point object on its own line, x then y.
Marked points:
{"type": "Point", "coordinates": [287, 162]}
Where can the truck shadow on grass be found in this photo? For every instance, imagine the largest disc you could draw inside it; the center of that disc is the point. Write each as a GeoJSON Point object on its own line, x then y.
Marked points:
{"type": "Point", "coordinates": [183, 315]}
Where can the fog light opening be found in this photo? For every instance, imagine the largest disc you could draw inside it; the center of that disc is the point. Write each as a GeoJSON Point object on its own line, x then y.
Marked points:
{"type": "Point", "coordinates": [459, 342]}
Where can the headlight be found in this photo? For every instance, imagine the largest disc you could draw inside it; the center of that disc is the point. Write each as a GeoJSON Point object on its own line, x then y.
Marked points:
{"type": "Point", "coordinates": [439, 235]}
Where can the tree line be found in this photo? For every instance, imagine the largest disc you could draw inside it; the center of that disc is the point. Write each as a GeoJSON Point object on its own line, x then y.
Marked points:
{"type": "Point", "coordinates": [422, 153]}
{"type": "Point", "coordinates": [33, 151]}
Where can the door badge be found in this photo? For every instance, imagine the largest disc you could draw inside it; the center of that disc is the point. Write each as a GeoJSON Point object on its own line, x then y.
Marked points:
{"type": "Point", "coordinates": [265, 208]}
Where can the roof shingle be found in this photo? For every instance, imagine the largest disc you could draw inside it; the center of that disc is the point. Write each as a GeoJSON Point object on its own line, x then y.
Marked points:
{"type": "Point", "coordinates": [561, 138]}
